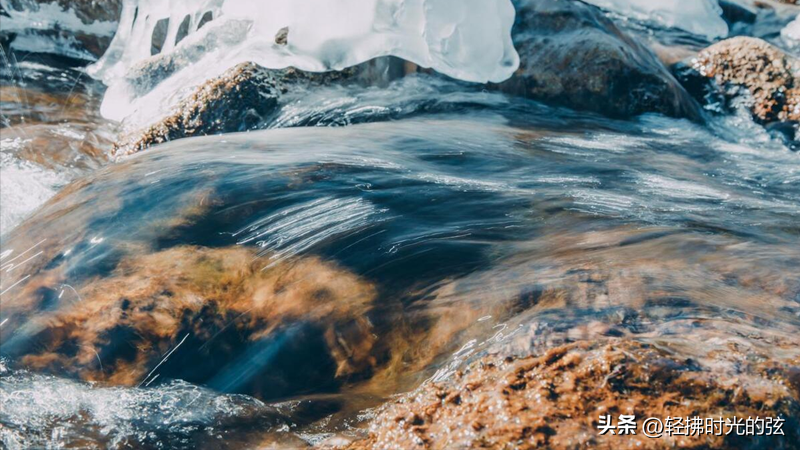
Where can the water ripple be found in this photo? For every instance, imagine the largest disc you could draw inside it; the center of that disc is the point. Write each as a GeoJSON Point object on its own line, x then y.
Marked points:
{"type": "Point", "coordinates": [294, 230]}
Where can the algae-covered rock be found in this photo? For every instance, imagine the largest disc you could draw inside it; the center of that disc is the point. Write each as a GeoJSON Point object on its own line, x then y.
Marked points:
{"type": "Point", "coordinates": [235, 101]}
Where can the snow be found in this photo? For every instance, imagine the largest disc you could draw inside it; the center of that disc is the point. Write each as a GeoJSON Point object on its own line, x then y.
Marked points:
{"type": "Point", "coordinates": [465, 39]}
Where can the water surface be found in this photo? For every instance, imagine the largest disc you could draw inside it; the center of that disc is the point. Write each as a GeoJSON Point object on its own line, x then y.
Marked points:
{"type": "Point", "coordinates": [464, 221]}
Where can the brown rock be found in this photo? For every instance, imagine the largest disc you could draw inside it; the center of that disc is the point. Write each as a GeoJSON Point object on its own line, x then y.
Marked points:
{"type": "Point", "coordinates": [751, 70]}
{"type": "Point", "coordinates": [235, 101]}
{"type": "Point", "coordinates": [572, 55]}
{"type": "Point", "coordinates": [554, 401]}
{"type": "Point", "coordinates": [282, 37]}
{"type": "Point", "coordinates": [216, 312]}
{"type": "Point", "coordinates": [238, 100]}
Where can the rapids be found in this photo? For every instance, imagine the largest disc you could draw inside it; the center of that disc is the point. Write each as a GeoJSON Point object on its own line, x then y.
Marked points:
{"type": "Point", "coordinates": [465, 213]}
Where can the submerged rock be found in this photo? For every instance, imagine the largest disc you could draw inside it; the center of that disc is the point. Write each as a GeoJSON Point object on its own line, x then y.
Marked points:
{"type": "Point", "coordinates": [735, 12]}
{"type": "Point", "coordinates": [572, 55]}
{"type": "Point", "coordinates": [555, 400]}
{"type": "Point", "coordinates": [748, 71]}
{"type": "Point", "coordinates": [207, 316]}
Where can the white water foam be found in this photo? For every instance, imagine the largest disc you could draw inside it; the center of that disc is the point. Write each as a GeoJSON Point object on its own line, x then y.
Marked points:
{"type": "Point", "coordinates": [24, 186]}
{"type": "Point", "coordinates": [42, 411]}
{"type": "Point", "coordinates": [465, 39]}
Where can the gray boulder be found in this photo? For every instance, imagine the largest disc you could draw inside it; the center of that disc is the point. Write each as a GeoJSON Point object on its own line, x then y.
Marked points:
{"type": "Point", "coordinates": [572, 55]}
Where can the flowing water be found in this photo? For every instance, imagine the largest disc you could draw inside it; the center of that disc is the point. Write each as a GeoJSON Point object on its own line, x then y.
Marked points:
{"type": "Point", "coordinates": [51, 131]}
{"type": "Point", "coordinates": [441, 223]}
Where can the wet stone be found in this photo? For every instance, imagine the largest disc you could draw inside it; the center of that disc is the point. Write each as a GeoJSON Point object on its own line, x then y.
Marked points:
{"type": "Point", "coordinates": [572, 55]}
{"type": "Point", "coordinates": [88, 11]}
{"type": "Point", "coordinates": [87, 43]}
{"type": "Point", "coordinates": [554, 400]}
{"type": "Point", "coordinates": [235, 101]}
{"type": "Point", "coordinates": [241, 99]}
{"type": "Point", "coordinates": [746, 72]}
{"type": "Point", "coordinates": [206, 316]}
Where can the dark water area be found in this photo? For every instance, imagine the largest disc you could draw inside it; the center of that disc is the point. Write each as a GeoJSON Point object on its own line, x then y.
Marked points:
{"type": "Point", "coordinates": [429, 231]}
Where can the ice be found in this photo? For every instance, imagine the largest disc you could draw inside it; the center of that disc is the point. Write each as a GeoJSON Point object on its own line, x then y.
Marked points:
{"type": "Point", "coordinates": [31, 21]}
{"type": "Point", "coordinates": [791, 33]}
{"type": "Point", "coordinates": [47, 16]}
{"type": "Point", "coordinates": [701, 17]}
{"type": "Point", "coordinates": [465, 39]}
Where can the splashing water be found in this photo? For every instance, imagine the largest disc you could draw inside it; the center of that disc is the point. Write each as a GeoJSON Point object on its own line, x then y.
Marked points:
{"type": "Point", "coordinates": [791, 34]}
{"type": "Point", "coordinates": [40, 411]}
{"type": "Point", "coordinates": [51, 133]}
{"type": "Point", "coordinates": [24, 186]}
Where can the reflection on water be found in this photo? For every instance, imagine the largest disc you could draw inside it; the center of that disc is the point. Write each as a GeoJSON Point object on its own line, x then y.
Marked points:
{"type": "Point", "coordinates": [454, 228]}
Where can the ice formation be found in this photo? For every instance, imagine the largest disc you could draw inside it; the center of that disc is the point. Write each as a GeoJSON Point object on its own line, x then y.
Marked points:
{"type": "Point", "coordinates": [31, 21]}
{"type": "Point", "coordinates": [701, 17]}
{"type": "Point", "coordinates": [465, 39]}
{"type": "Point", "coordinates": [791, 33]}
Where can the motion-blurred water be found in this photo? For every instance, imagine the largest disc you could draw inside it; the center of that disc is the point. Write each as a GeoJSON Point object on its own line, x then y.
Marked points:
{"type": "Point", "coordinates": [465, 209]}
